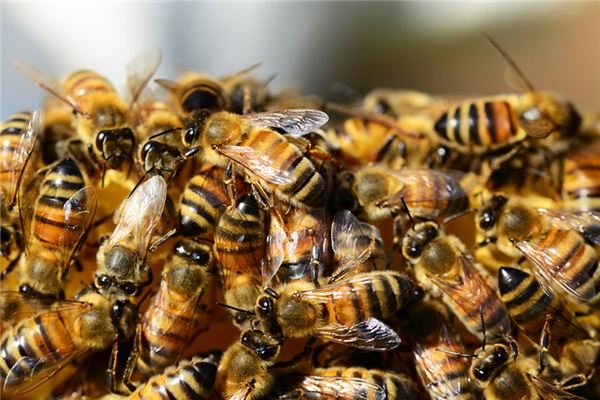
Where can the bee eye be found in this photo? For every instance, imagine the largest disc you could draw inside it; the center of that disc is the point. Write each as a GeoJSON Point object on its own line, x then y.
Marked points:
{"type": "Point", "coordinates": [267, 353]}
{"type": "Point", "coordinates": [147, 148]}
{"type": "Point", "coordinates": [5, 235]}
{"type": "Point", "coordinates": [129, 288]}
{"type": "Point", "coordinates": [240, 318]}
{"type": "Point", "coordinates": [500, 355]}
{"type": "Point", "coordinates": [104, 281]}
{"type": "Point", "coordinates": [414, 250]}
{"type": "Point", "coordinates": [200, 257]}
{"type": "Point", "coordinates": [481, 374]}
{"type": "Point", "coordinates": [488, 219]}
{"type": "Point", "coordinates": [265, 303]}
{"type": "Point", "coordinates": [431, 233]}
{"type": "Point", "coordinates": [191, 133]}
{"type": "Point", "coordinates": [382, 107]}
{"type": "Point", "coordinates": [101, 138]}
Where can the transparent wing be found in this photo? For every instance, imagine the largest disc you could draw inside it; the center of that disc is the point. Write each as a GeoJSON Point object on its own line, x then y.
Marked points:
{"type": "Point", "coordinates": [16, 156]}
{"type": "Point", "coordinates": [277, 242]}
{"type": "Point", "coordinates": [353, 242]}
{"type": "Point", "coordinates": [295, 122]}
{"type": "Point", "coordinates": [139, 72]}
{"type": "Point", "coordinates": [139, 214]}
{"type": "Point", "coordinates": [585, 222]}
{"type": "Point", "coordinates": [551, 392]}
{"type": "Point", "coordinates": [425, 185]}
{"type": "Point", "coordinates": [241, 72]}
{"type": "Point", "coordinates": [551, 266]}
{"type": "Point", "coordinates": [79, 212]}
{"type": "Point", "coordinates": [30, 372]}
{"type": "Point", "coordinates": [372, 335]}
{"type": "Point", "coordinates": [337, 388]}
{"type": "Point", "coordinates": [17, 306]}
{"type": "Point", "coordinates": [48, 83]}
{"type": "Point", "coordinates": [470, 292]}
{"type": "Point", "coordinates": [260, 164]}
{"type": "Point", "coordinates": [28, 194]}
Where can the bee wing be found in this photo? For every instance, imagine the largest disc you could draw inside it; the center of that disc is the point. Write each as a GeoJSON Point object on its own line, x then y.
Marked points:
{"type": "Point", "coordinates": [538, 128]}
{"type": "Point", "coordinates": [372, 335]}
{"type": "Point", "coordinates": [244, 71]}
{"type": "Point", "coordinates": [27, 196]}
{"type": "Point", "coordinates": [468, 294]}
{"type": "Point", "coordinates": [348, 237]}
{"type": "Point", "coordinates": [14, 164]}
{"type": "Point", "coordinates": [17, 306]}
{"type": "Point", "coordinates": [424, 186]}
{"type": "Point", "coordinates": [585, 222]}
{"type": "Point", "coordinates": [30, 372]}
{"type": "Point", "coordinates": [547, 265]}
{"type": "Point", "coordinates": [139, 72]}
{"type": "Point", "coordinates": [336, 388]}
{"type": "Point", "coordinates": [551, 392]}
{"type": "Point", "coordinates": [297, 122]}
{"type": "Point", "coordinates": [79, 212]}
{"type": "Point", "coordinates": [139, 214]}
{"type": "Point", "coordinates": [277, 242]}
{"type": "Point", "coordinates": [258, 163]}
{"type": "Point", "coordinates": [49, 84]}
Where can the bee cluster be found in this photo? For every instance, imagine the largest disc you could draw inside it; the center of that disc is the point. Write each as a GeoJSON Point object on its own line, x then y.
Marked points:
{"type": "Point", "coordinates": [412, 246]}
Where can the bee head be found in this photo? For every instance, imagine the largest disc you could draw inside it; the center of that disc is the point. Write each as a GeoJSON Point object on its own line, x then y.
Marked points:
{"type": "Point", "coordinates": [416, 240]}
{"type": "Point", "coordinates": [158, 156]}
{"type": "Point", "coordinates": [263, 347]}
{"type": "Point", "coordinates": [206, 95]}
{"type": "Point", "coordinates": [194, 127]}
{"type": "Point", "coordinates": [489, 216]}
{"type": "Point", "coordinates": [490, 362]}
{"type": "Point", "coordinates": [115, 145]}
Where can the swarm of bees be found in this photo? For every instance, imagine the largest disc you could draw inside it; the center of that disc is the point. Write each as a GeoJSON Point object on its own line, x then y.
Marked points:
{"type": "Point", "coordinates": [397, 246]}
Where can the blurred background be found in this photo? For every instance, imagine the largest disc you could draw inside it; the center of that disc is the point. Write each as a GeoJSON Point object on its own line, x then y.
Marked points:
{"type": "Point", "coordinates": [434, 47]}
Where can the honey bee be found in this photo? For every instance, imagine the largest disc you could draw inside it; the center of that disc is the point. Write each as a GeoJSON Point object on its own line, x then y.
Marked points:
{"type": "Point", "coordinates": [121, 259]}
{"type": "Point", "coordinates": [494, 123]}
{"type": "Point", "coordinates": [102, 121]}
{"type": "Point", "coordinates": [580, 177]}
{"type": "Point", "coordinates": [443, 375]}
{"type": "Point", "coordinates": [246, 369]}
{"type": "Point", "coordinates": [440, 264]}
{"type": "Point", "coordinates": [57, 333]}
{"type": "Point", "coordinates": [195, 91]}
{"type": "Point", "coordinates": [18, 138]}
{"type": "Point", "coordinates": [267, 159]}
{"type": "Point", "coordinates": [552, 242]}
{"type": "Point", "coordinates": [188, 379]}
{"type": "Point", "coordinates": [397, 103]}
{"type": "Point", "coordinates": [55, 221]}
{"type": "Point", "coordinates": [245, 93]}
{"type": "Point", "coordinates": [348, 311]}
{"type": "Point", "coordinates": [202, 201]}
{"type": "Point", "coordinates": [172, 317]}
{"type": "Point", "coordinates": [350, 383]}
{"type": "Point", "coordinates": [296, 247]}
{"type": "Point", "coordinates": [379, 191]}
{"type": "Point", "coordinates": [239, 250]}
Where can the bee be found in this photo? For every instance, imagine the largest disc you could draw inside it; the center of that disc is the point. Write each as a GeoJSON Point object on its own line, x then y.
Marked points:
{"type": "Point", "coordinates": [441, 265]}
{"type": "Point", "coordinates": [267, 159]}
{"type": "Point", "coordinates": [239, 250]}
{"type": "Point", "coordinates": [245, 93]}
{"type": "Point", "coordinates": [553, 241]}
{"type": "Point", "coordinates": [17, 141]}
{"type": "Point", "coordinates": [347, 311]}
{"type": "Point", "coordinates": [121, 259]}
{"type": "Point", "coordinates": [202, 201]}
{"type": "Point", "coordinates": [495, 123]}
{"type": "Point", "coordinates": [580, 177]}
{"type": "Point", "coordinates": [296, 247]}
{"type": "Point", "coordinates": [443, 375]}
{"type": "Point", "coordinates": [350, 383]}
{"type": "Point", "coordinates": [378, 191]}
{"type": "Point", "coordinates": [402, 103]}
{"type": "Point", "coordinates": [188, 379]}
{"type": "Point", "coordinates": [57, 333]}
{"type": "Point", "coordinates": [102, 116]}
{"type": "Point", "coordinates": [153, 155]}
{"type": "Point", "coordinates": [195, 91]}
{"type": "Point", "coordinates": [55, 221]}
{"type": "Point", "coordinates": [172, 317]}
{"type": "Point", "coordinates": [503, 374]}
{"type": "Point", "coordinates": [246, 369]}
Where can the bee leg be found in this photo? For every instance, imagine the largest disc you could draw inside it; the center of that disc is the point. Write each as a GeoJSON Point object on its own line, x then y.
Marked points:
{"type": "Point", "coordinates": [247, 100]}
{"type": "Point", "coordinates": [11, 266]}
{"type": "Point", "coordinates": [263, 198]}
{"type": "Point", "coordinates": [574, 381]}
{"type": "Point", "coordinates": [251, 384]}
{"type": "Point", "coordinates": [77, 265]}
{"type": "Point", "coordinates": [132, 359]}
{"type": "Point", "coordinates": [111, 370]}
{"type": "Point", "coordinates": [545, 343]}
{"type": "Point", "coordinates": [162, 239]}
{"type": "Point", "coordinates": [228, 181]}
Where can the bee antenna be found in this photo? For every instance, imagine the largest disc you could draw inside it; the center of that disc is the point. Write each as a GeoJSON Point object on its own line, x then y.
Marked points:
{"type": "Point", "coordinates": [482, 327]}
{"type": "Point", "coordinates": [104, 171]}
{"type": "Point", "coordinates": [510, 61]}
{"type": "Point", "coordinates": [271, 293]}
{"type": "Point", "coordinates": [235, 308]}
{"type": "Point", "coordinates": [405, 206]}
{"type": "Point", "coordinates": [165, 132]}
{"type": "Point", "coordinates": [139, 182]}
{"type": "Point", "coordinates": [456, 354]}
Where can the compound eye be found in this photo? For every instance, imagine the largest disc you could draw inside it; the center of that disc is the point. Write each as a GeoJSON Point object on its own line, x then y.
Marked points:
{"type": "Point", "coordinates": [500, 355]}
{"type": "Point", "coordinates": [5, 235]}
{"type": "Point", "coordinates": [191, 133]}
{"type": "Point", "coordinates": [414, 250]}
{"type": "Point", "coordinates": [101, 138]}
{"type": "Point", "coordinates": [129, 288]}
{"type": "Point", "coordinates": [200, 257]}
{"type": "Point", "coordinates": [147, 148]}
{"type": "Point", "coordinates": [104, 281]}
{"type": "Point", "coordinates": [265, 303]}
{"type": "Point", "coordinates": [481, 374]}
{"type": "Point", "coordinates": [240, 318]}
{"type": "Point", "coordinates": [382, 107]}
{"type": "Point", "coordinates": [267, 353]}
{"type": "Point", "coordinates": [487, 220]}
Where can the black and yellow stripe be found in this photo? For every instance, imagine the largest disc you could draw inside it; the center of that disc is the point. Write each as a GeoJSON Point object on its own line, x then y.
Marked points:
{"type": "Point", "coordinates": [581, 177]}
{"type": "Point", "coordinates": [200, 94]}
{"type": "Point", "coordinates": [11, 135]}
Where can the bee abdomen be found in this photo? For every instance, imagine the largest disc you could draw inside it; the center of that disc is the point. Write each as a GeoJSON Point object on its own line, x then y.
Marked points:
{"type": "Point", "coordinates": [200, 204]}
{"type": "Point", "coordinates": [84, 82]}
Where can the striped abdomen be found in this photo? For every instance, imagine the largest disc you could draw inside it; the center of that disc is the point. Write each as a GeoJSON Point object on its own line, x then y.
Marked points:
{"type": "Point", "coordinates": [369, 295]}
{"type": "Point", "coordinates": [199, 206]}
{"type": "Point", "coordinates": [12, 155]}
{"type": "Point", "coordinates": [201, 94]}
{"type": "Point", "coordinates": [480, 125]}
{"type": "Point", "coordinates": [445, 376]}
{"type": "Point", "coordinates": [48, 227]}
{"type": "Point", "coordinates": [575, 264]}
{"type": "Point", "coordinates": [189, 380]}
{"type": "Point", "coordinates": [529, 305]}
{"type": "Point", "coordinates": [240, 239]}
{"type": "Point", "coordinates": [305, 186]}
{"type": "Point", "coordinates": [374, 384]}
{"type": "Point", "coordinates": [81, 83]}
{"type": "Point", "coordinates": [42, 337]}
{"type": "Point", "coordinates": [581, 178]}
